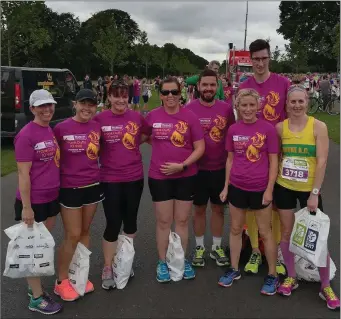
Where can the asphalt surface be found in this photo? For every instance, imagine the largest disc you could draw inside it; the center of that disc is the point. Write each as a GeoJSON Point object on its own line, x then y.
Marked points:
{"type": "Point", "coordinates": [144, 297]}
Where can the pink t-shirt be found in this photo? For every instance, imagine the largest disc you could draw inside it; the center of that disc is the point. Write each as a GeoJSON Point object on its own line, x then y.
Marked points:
{"type": "Point", "coordinates": [173, 136]}
{"type": "Point", "coordinates": [79, 147]}
{"type": "Point", "coordinates": [37, 144]}
{"type": "Point", "coordinates": [215, 121]}
{"type": "Point", "coordinates": [251, 145]}
{"type": "Point", "coordinates": [137, 88]}
{"type": "Point", "coordinates": [273, 93]}
{"type": "Point", "coordinates": [120, 156]}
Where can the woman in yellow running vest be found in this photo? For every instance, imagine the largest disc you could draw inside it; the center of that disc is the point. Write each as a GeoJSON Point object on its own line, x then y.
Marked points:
{"type": "Point", "coordinates": [301, 173]}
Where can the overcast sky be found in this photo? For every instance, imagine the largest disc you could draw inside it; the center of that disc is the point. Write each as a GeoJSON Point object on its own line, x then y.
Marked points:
{"type": "Point", "coordinates": [205, 28]}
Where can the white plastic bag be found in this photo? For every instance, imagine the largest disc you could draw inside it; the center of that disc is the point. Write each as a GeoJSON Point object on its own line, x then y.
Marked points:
{"type": "Point", "coordinates": [123, 262]}
{"type": "Point", "coordinates": [308, 272]}
{"type": "Point", "coordinates": [175, 257]}
{"type": "Point", "coordinates": [149, 93]}
{"type": "Point", "coordinates": [309, 236]}
{"type": "Point", "coordinates": [79, 269]}
{"type": "Point", "coordinates": [30, 252]}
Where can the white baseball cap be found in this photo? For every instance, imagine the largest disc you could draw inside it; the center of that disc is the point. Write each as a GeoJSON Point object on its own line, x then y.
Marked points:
{"type": "Point", "coordinates": [40, 97]}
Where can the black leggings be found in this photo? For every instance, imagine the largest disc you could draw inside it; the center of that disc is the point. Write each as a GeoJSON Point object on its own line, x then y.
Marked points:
{"type": "Point", "coordinates": [121, 205]}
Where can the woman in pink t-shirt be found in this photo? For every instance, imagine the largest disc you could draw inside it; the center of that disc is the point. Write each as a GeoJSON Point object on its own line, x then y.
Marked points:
{"type": "Point", "coordinates": [251, 172]}
{"type": "Point", "coordinates": [37, 156]}
{"type": "Point", "coordinates": [78, 138]}
{"type": "Point", "coordinates": [177, 141]}
{"type": "Point", "coordinates": [121, 172]}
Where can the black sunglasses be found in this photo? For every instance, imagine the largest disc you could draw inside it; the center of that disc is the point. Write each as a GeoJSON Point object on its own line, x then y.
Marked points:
{"type": "Point", "coordinates": [166, 92]}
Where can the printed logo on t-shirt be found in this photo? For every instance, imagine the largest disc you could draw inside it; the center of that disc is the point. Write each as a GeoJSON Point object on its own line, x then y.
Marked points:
{"type": "Point", "coordinates": [217, 131]}
{"type": "Point", "coordinates": [93, 146]}
{"type": "Point", "coordinates": [177, 137]}
{"type": "Point", "coordinates": [128, 139]}
{"type": "Point", "coordinates": [269, 109]}
{"type": "Point", "coordinates": [47, 150]}
{"type": "Point", "coordinates": [252, 152]}
{"type": "Point", "coordinates": [112, 133]}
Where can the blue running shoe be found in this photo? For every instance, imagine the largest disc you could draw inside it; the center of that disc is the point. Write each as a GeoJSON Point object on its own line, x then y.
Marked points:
{"type": "Point", "coordinates": [189, 271]}
{"type": "Point", "coordinates": [229, 277]}
{"type": "Point", "coordinates": [270, 285]}
{"type": "Point", "coordinates": [162, 272]}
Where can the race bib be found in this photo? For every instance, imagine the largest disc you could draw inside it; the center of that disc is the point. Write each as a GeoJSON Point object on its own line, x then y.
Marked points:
{"type": "Point", "coordinates": [295, 170]}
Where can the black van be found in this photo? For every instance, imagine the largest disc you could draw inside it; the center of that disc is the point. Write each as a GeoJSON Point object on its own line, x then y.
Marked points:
{"type": "Point", "coordinates": [17, 84]}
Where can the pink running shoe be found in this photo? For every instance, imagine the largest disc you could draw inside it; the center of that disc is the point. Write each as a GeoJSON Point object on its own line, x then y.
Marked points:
{"type": "Point", "coordinates": [287, 287]}
{"type": "Point", "coordinates": [328, 295]}
{"type": "Point", "coordinates": [89, 287]}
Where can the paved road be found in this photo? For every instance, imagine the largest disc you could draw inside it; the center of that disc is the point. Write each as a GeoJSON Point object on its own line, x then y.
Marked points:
{"type": "Point", "coordinates": [202, 298]}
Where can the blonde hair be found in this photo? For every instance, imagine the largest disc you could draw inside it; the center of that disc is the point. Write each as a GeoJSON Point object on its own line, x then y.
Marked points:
{"type": "Point", "coordinates": [242, 93]}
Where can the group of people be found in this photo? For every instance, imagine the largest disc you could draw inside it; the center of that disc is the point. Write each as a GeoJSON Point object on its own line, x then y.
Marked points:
{"type": "Point", "coordinates": [258, 163]}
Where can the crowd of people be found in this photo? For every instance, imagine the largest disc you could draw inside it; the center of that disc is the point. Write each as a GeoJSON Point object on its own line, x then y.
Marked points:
{"type": "Point", "coordinates": [224, 149]}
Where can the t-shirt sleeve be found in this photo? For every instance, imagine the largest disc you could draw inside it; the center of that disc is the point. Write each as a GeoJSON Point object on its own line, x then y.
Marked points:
{"type": "Point", "coordinates": [145, 128]}
{"type": "Point", "coordinates": [24, 149]}
{"type": "Point", "coordinates": [148, 123]}
{"type": "Point", "coordinates": [231, 118]}
{"type": "Point", "coordinates": [56, 132]}
{"type": "Point", "coordinates": [273, 141]}
{"type": "Point", "coordinates": [196, 129]}
{"type": "Point", "coordinates": [229, 140]}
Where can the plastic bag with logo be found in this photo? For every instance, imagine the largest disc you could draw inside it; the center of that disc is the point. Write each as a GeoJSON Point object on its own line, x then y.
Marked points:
{"type": "Point", "coordinates": [79, 269]}
{"type": "Point", "coordinates": [309, 236]}
{"type": "Point", "coordinates": [30, 252]}
{"type": "Point", "coordinates": [175, 257]}
{"type": "Point", "coordinates": [308, 272]}
{"type": "Point", "coordinates": [123, 262]}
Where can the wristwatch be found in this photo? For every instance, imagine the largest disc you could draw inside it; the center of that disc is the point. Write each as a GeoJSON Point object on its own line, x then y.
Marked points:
{"type": "Point", "coordinates": [184, 166]}
{"type": "Point", "coordinates": [315, 191]}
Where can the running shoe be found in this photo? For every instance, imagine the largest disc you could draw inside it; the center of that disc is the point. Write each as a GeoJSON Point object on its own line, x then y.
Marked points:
{"type": "Point", "coordinates": [219, 256]}
{"type": "Point", "coordinates": [89, 287]}
{"type": "Point", "coordinates": [287, 287]}
{"type": "Point", "coordinates": [45, 305]}
{"type": "Point", "coordinates": [270, 285]}
{"type": "Point", "coordinates": [108, 281]}
{"type": "Point", "coordinates": [65, 290]}
{"type": "Point", "coordinates": [328, 295]}
{"type": "Point", "coordinates": [280, 269]}
{"type": "Point", "coordinates": [253, 264]}
{"type": "Point", "coordinates": [189, 271]}
{"type": "Point", "coordinates": [229, 277]}
{"type": "Point", "coordinates": [199, 257]}
{"type": "Point", "coordinates": [162, 272]}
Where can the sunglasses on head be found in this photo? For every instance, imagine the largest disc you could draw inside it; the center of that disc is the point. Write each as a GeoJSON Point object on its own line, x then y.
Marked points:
{"type": "Point", "coordinates": [166, 92]}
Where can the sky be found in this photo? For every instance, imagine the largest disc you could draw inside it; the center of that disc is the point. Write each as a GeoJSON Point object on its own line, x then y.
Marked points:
{"type": "Point", "coordinates": [205, 28]}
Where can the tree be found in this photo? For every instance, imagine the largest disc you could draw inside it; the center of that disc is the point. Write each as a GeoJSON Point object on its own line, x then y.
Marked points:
{"type": "Point", "coordinates": [311, 21]}
{"type": "Point", "coordinates": [22, 30]}
{"type": "Point", "coordinates": [111, 46]}
{"type": "Point", "coordinates": [161, 59]}
{"type": "Point", "coordinates": [276, 54]}
{"type": "Point", "coordinates": [297, 54]}
{"type": "Point", "coordinates": [144, 51]}
{"type": "Point", "coordinates": [181, 64]}
{"type": "Point", "coordinates": [336, 46]}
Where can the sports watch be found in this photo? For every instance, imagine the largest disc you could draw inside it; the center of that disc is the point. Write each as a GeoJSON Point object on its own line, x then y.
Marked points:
{"type": "Point", "coordinates": [315, 191]}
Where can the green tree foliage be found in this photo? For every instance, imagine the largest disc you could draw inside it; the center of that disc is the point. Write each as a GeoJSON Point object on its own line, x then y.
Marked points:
{"type": "Point", "coordinates": [312, 23]}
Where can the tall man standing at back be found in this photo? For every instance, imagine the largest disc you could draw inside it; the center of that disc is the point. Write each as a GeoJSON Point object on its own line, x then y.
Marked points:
{"type": "Point", "coordinates": [215, 118]}
{"type": "Point", "coordinates": [273, 90]}
{"type": "Point", "coordinates": [214, 66]}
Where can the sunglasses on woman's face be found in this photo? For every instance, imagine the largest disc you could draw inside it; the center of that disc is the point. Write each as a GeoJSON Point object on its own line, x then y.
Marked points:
{"type": "Point", "coordinates": [118, 92]}
{"type": "Point", "coordinates": [166, 92]}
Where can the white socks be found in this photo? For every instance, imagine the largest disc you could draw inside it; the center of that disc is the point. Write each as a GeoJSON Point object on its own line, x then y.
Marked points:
{"type": "Point", "coordinates": [199, 241]}
{"type": "Point", "coordinates": [216, 242]}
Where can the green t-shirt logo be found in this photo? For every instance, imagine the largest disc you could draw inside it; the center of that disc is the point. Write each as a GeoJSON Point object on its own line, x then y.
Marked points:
{"type": "Point", "coordinates": [299, 235]}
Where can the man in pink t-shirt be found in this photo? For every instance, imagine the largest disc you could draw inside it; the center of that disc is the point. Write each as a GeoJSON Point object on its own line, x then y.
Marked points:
{"type": "Point", "coordinates": [215, 117]}
{"type": "Point", "coordinates": [272, 89]}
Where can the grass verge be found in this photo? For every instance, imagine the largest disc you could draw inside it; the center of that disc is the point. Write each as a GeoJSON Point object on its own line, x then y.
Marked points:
{"type": "Point", "coordinates": [333, 124]}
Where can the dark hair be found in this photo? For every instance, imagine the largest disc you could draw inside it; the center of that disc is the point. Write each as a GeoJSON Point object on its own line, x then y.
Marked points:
{"type": "Point", "coordinates": [170, 79]}
{"type": "Point", "coordinates": [259, 45]}
{"type": "Point", "coordinates": [117, 84]}
{"type": "Point", "coordinates": [207, 72]}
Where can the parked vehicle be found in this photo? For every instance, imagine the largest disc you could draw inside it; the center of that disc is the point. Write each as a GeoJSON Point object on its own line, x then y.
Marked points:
{"type": "Point", "coordinates": [17, 84]}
